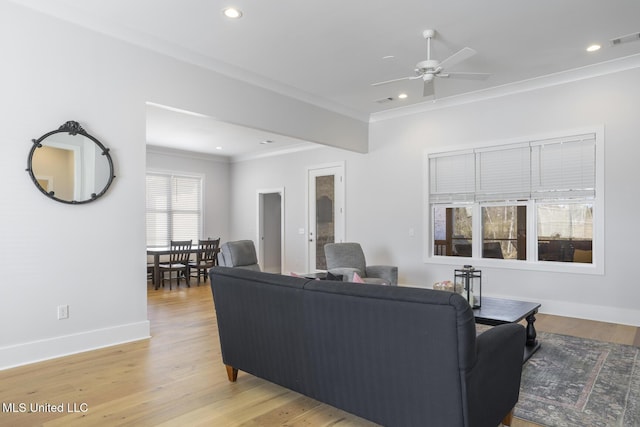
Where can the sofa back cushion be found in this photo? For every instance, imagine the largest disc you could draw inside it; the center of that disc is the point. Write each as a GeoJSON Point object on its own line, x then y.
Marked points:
{"type": "Point", "coordinates": [345, 255]}
{"type": "Point", "coordinates": [240, 253]}
{"type": "Point", "coordinates": [408, 348]}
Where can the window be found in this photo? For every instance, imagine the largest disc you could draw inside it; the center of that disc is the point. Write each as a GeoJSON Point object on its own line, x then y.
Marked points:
{"type": "Point", "coordinates": [504, 231]}
{"type": "Point", "coordinates": [531, 201]}
{"type": "Point", "coordinates": [565, 232]}
{"type": "Point", "coordinates": [453, 230]}
{"type": "Point", "coordinates": [174, 208]}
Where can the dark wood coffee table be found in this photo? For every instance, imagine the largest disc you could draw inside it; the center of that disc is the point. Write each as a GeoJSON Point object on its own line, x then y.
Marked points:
{"type": "Point", "coordinates": [498, 311]}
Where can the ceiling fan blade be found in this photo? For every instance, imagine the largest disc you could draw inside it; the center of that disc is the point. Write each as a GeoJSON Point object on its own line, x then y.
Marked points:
{"type": "Point", "coordinates": [428, 89]}
{"type": "Point", "coordinates": [459, 56]}
{"type": "Point", "coordinates": [465, 75]}
{"type": "Point", "coordinates": [395, 80]}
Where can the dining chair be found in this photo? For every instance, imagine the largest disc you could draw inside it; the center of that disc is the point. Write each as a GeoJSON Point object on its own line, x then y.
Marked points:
{"type": "Point", "coordinates": [206, 257]}
{"type": "Point", "coordinates": [178, 262]}
{"type": "Point", "coordinates": [150, 269]}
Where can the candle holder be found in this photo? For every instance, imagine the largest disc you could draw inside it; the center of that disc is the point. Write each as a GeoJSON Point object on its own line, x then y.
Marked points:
{"type": "Point", "coordinates": [468, 282]}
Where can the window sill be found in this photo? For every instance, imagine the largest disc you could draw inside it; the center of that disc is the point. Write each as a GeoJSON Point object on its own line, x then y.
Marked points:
{"type": "Point", "coordinates": [547, 266]}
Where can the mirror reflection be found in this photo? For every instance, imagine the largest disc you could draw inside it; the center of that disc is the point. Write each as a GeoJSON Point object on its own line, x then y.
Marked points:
{"type": "Point", "coordinates": [70, 166]}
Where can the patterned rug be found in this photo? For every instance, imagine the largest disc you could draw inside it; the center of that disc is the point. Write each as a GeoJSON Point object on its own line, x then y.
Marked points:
{"type": "Point", "coordinates": [576, 382]}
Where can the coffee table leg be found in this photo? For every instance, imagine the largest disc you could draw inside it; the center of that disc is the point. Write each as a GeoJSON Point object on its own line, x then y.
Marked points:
{"type": "Point", "coordinates": [531, 330]}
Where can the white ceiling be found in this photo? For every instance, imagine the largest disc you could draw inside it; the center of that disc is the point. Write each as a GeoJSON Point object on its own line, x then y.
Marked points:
{"type": "Point", "coordinates": [330, 51]}
{"type": "Point", "coordinates": [175, 129]}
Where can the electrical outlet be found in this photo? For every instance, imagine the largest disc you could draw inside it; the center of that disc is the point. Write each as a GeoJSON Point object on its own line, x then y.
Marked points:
{"type": "Point", "coordinates": [63, 312]}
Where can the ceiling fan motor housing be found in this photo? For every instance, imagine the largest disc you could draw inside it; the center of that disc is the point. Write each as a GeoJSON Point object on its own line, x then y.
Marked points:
{"type": "Point", "coordinates": [427, 66]}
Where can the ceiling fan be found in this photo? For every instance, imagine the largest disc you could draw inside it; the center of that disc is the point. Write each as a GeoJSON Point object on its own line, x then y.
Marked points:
{"type": "Point", "coordinates": [428, 69]}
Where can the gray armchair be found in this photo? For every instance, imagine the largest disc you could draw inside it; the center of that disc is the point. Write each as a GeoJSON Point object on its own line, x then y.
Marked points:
{"type": "Point", "coordinates": [240, 253]}
{"type": "Point", "coordinates": [348, 258]}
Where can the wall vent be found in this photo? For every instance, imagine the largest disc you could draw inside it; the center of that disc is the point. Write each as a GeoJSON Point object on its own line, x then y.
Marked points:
{"type": "Point", "coordinates": [625, 39]}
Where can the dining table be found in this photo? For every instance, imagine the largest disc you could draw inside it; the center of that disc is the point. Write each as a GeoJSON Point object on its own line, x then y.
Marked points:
{"type": "Point", "coordinates": [157, 253]}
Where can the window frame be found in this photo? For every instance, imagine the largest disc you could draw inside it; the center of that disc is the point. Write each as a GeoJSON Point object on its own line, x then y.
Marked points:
{"type": "Point", "coordinates": [532, 262]}
{"type": "Point", "coordinates": [172, 174]}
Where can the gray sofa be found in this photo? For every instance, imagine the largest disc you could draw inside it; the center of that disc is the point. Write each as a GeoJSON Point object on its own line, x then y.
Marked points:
{"type": "Point", "coordinates": [397, 356]}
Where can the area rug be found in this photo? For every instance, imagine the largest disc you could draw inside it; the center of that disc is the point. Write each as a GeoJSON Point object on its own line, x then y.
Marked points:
{"type": "Point", "coordinates": [577, 382]}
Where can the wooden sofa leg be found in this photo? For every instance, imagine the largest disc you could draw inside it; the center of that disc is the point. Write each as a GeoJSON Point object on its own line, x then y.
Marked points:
{"type": "Point", "coordinates": [232, 373]}
{"type": "Point", "coordinates": [508, 419]}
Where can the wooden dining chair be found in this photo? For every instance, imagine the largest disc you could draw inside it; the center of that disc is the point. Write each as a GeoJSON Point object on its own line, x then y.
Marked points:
{"type": "Point", "coordinates": [178, 262]}
{"type": "Point", "coordinates": [206, 258]}
{"type": "Point", "coordinates": [150, 269]}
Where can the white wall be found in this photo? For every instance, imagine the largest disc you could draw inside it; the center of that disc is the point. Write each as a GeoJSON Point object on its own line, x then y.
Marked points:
{"type": "Point", "coordinates": [385, 191]}
{"type": "Point", "coordinates": [92, 257]}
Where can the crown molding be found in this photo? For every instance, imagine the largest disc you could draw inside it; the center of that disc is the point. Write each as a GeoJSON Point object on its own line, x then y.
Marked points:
{"type": "Point", "coordinates": [564, 77]}
{"type": "Point", "coordinates": [184, 54]}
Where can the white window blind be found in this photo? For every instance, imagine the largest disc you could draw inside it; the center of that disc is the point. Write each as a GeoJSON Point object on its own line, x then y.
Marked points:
{"type": "Point", "coordinates": [564, 167]}
{"type": "Point", "coordinates": [173, 208]}
{"type": "Point", "coordinates": [558, 168]}
{"type": "Point", "coordinates": [503, 173]}
{"type": "Point", "coordinates": [452, 177]}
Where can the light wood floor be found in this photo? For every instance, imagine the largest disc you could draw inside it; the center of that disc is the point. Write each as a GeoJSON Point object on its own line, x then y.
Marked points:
{"type": "Point", "coordinates": [177, 377]}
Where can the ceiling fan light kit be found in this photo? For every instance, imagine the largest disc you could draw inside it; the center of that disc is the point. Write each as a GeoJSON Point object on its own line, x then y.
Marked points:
{"type": "Point", "coordinates": [430, 68]}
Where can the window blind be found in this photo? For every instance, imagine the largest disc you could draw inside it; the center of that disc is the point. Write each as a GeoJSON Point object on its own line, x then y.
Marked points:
{"type": "Point", "coordinates": [452, 177]}
{"type": "Point", "coordinates": [503, 173]}
{"type": "Point", "coordinates": [559, 168]}
{"type": "Point", "coordinates": [174, 208]}
{"type": "Point", "coordinates": [564, 167]}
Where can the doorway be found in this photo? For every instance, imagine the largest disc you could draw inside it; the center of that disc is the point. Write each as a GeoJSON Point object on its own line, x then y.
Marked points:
{"type": "Point", "coordinates": [325, 199]}
{"type": "Point", "coordinates": [271, 230]}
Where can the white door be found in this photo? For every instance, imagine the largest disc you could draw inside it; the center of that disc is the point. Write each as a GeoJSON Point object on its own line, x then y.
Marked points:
{"type": "Point", "coordinates": [326, 211]}
{"type": "Point", "coordinates": [270, 230]}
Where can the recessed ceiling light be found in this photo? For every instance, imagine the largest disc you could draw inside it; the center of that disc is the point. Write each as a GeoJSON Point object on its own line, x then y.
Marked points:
{"type": "Point", "coordinates": [218, 148]}
{"type": "Point", "coordinates": [232, 12]}
{"type": "Point", "coordinates": [402, 96]}
{"type": "Point", "coordinates": [593, 48]}
{"type": "Point", "coordinates": [388, 57]}
{"type": "Point", "coordinates": [267, 141]}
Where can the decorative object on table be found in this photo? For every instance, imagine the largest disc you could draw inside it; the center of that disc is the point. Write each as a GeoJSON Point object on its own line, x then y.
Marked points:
{"type": "Point", "coordinates": [69, 165]}
{"type": "Point", "coordinates": [469, 281]}
{"type": "Point", "coordinates": [446, 285]}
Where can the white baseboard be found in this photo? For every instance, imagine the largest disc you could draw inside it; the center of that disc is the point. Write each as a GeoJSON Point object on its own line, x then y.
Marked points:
{"type": "Point", "coordinates": [51, 348]}
{"type": "Point", "coordinates": [599, 313]}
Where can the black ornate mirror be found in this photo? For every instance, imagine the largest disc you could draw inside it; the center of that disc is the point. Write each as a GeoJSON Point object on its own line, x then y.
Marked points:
{"type": "Point", "coordinates": [69, 165]}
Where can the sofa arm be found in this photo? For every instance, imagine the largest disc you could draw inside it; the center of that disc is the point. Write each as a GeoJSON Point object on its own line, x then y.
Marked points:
{"type": "Point", "coordinates": [493, 383]}
{"type": "Point", "coordinates": [388, 273]}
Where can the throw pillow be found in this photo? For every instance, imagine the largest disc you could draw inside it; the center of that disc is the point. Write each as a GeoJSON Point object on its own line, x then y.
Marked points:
{"type": "Point", "coordinates": [357, 278]}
